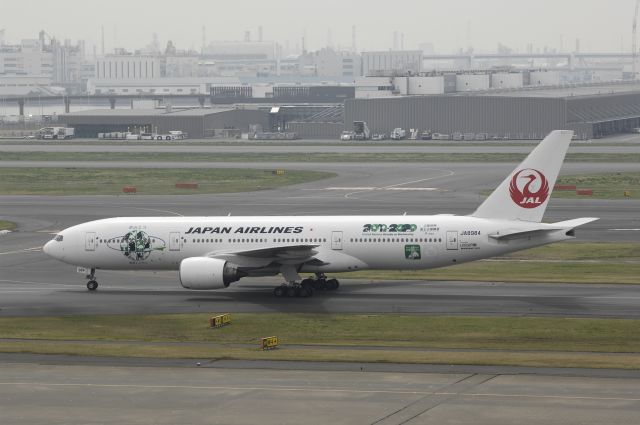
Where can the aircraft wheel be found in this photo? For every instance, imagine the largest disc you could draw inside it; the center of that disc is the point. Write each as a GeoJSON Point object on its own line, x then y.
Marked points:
{"type": "Point", "coordinates": [278, 291]}
{"type": "Point", "coordinates": [292, 292]}
{"type": "Point", "coordinates": [332, 284]}
{"type": "Point", "coordinates": [306, 290]}
{"type": "Point", "coordinates": [92, 285]}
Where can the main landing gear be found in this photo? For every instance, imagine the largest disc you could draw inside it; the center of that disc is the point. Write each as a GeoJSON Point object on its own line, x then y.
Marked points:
{"type": "Point", "coordinates": [306, 287]}
{"type": "Point", "coordinates": [92, 285]}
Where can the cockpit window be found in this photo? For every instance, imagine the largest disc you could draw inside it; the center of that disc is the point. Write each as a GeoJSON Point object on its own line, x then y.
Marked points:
{"type": "Point", "coordinates": [59, 238]}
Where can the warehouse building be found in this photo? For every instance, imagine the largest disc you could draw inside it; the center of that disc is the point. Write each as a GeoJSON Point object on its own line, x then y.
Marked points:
{"type": "Point", "coordinates": [518, 113]}
{"type": "Point", "coordinates": [196, 122]}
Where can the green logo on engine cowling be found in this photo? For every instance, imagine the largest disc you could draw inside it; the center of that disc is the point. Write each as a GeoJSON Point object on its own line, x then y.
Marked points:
{"type": "Point", "coordinates": [412, 252]}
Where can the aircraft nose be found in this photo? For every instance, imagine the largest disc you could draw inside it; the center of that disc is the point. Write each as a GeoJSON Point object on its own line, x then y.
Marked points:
{"type": "Point", "coordinates": [51, 249]}
{"type": "Point", "coordinates": [47, 248]}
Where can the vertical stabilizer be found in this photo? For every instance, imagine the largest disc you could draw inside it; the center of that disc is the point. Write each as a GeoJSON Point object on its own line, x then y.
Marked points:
{"type": "Point", "coordinates": [525, 193]}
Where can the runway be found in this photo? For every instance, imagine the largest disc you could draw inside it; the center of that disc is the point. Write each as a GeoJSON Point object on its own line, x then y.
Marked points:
{"type": "Point", "coordinates": [38, 390]}
{"type": "Point", "coordinates": [31, 283]}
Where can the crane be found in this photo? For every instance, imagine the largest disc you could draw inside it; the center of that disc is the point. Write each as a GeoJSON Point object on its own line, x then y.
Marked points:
{"type": "Point", "coordinates": [634, 51]}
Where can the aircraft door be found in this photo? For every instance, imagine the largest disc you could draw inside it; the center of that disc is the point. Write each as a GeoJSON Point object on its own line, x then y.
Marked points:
{"type": "Point", "coordinates": [174, 241]}
{"type": "Point", "coordinates": [90, 241]}
{"type": "Point", "coordinates": [336, 240]}
{"type": "Point", "coordinates": [452, 240]}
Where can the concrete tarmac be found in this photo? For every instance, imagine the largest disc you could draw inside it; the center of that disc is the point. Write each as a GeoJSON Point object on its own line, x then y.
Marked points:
{"type": "Point", "coordinates": [53, 393]}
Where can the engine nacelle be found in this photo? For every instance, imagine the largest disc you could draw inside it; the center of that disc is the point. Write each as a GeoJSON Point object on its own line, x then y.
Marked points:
{"type": "Point", "coordinates": [207, 273]}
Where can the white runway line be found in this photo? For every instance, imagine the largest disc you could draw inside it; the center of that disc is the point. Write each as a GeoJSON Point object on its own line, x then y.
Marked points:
{"type": "Point", "coordinates": [21, 251]}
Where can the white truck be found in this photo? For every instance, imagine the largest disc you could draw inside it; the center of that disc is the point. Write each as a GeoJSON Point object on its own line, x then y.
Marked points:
{"type": "Point", "coordinates": [361, 131]}
{"type": "Point", "coordinates": [398, 134]}
{"type": "Point", "coordinates": [172, 135]}
{"type": "Point", "coordinates": [346, 135]}
{"type": "Point", "coordinates": [56, 133]}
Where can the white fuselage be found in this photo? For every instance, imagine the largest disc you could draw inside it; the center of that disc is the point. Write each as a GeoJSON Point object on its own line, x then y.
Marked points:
{"type": "Point", "coordinates": [341, 243]}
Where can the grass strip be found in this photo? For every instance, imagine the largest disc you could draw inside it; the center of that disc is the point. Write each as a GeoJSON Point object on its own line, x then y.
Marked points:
{"type": "Point", "coordinates": [553, 342]}
{"type": "Point", "coordinates": [7, 225]}
{"type": "Point", "coordinates": [147, 181]}
{"type": "Point", "coordinates": [301, 157]}
{"type": "Point", "coordinates": [604, 186]}
{"type": "Point", "coordinates": [572, 262]}
{"type": "Point", "coordinates": [581, 251]}
{"type": "Point", "coordinates": [515, 271]}
{"type": "Point", "coordinates": [578, 360]}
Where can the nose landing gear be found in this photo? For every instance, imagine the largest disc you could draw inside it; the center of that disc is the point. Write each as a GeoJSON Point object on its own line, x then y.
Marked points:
{"type": "Point", "coordinates": [92, 285]}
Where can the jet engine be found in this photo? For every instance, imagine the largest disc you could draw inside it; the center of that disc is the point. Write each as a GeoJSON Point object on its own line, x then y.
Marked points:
{"type": "Point", "coordinates": [208, 273]}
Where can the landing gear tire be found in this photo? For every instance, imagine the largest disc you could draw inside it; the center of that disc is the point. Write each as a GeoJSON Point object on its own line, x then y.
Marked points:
{"type": "Point", "coordinates": [278, 291]}
{"type": "Point", "coordinates": [92, 285]}
{"type": "Point", "coordinates": [332, 284]}
{"type": "Point", "coordinates": [306, 289]}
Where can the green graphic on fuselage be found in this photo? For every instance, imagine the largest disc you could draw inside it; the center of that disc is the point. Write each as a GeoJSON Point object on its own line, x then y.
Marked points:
{"type": "Point", "coordinates": [137, 245]}
{"type": "Point", "coordinates": [412, 252]}
{"type": "Point", "coordinates": [389, 228]}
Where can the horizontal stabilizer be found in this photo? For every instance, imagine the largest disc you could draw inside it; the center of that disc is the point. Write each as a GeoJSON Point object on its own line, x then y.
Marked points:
{"type": "Point", "coordinates": [519, 234]}
{"type": "Point", "coordinates": [541, 229]}
{"type": "Point", "coordinates": [576, 222]}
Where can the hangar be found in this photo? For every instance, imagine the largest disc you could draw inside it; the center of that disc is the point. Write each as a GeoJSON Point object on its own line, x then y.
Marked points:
{"type": "Point", "coordinates": [197, 122]}
{"type": "Point", "coordinates": [592, 111]}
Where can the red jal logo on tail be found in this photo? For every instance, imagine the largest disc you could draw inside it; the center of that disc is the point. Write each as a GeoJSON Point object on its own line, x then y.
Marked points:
{"type": "Point", "coordinates": [529, 188]}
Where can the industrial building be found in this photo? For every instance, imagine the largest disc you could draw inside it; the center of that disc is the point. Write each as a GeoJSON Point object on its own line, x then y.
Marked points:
{"type": "Point", "coordinates": [518, 113]}
{"type": "Point", "coordinates": [196, 122]}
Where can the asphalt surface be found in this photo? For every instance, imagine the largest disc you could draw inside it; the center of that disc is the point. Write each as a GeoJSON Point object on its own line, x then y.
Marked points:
{"type": "Point", "coordinates": [51, 392]}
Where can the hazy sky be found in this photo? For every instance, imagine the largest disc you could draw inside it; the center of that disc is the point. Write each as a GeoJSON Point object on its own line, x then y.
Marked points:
{"type": "Point", "coordinates": [600, 25]}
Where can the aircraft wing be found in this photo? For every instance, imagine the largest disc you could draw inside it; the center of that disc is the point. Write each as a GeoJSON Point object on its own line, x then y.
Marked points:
{"type": "Point", "coordinates": [262, 257]}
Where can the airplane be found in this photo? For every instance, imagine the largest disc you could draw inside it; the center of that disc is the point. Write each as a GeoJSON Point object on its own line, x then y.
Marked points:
{"type": "Point", "coordinates": [213, 252]}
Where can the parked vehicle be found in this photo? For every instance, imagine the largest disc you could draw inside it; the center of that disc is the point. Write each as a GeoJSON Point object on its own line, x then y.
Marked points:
{"type": "Point", "coordinates": [426, 135]}
{"type": "Point", "coordinates": [56, 133]}
{"type": "Point", "coordinates": [379, 136]}
{"type": "Point", "coordinates": [346, 135]}
{"type": "Point", "coordinates": [440, 136]}
{"type": "Point", "coordinates": [398, 134]}
{"type": "Point", "coordinates": [360, 130]}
